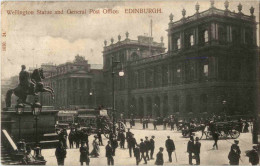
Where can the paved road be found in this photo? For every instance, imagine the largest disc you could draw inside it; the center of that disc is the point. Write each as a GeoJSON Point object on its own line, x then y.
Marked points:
{"type": "Point", "coordinates": [208, 156]}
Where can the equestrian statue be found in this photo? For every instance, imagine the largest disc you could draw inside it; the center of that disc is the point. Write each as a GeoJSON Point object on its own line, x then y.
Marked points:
{"type": "Point", "coordinates": [29, 84]}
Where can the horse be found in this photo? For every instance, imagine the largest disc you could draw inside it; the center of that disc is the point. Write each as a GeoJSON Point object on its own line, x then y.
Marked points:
{"type": "Point", "coordinates": [36, 77]}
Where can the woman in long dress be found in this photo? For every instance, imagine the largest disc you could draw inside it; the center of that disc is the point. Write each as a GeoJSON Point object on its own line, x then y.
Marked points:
{"type": "Point", "coordinates": [95, 151]}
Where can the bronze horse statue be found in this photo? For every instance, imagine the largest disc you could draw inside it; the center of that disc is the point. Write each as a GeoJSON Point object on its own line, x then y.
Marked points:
{"type": "Point", "coordinates": [36, 77]}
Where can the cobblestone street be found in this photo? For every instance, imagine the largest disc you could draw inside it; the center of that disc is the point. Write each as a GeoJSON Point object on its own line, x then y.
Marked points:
{"type": "Point", "coordinates": [208, 156]}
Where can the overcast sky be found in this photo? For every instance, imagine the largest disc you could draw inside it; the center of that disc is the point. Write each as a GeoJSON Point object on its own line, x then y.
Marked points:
{"type": "Point", "coordinates": [58, 38]}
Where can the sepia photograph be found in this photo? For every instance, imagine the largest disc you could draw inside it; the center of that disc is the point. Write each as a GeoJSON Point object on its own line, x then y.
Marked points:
{"type": "Point", "coordinates": [130, 82]}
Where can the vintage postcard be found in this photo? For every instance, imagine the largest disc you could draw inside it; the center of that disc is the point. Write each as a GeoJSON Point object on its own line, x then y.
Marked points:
{"type": "Point", "coordinates": [130, 82]}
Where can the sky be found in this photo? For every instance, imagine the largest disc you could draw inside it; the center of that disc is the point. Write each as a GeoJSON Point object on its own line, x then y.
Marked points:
{"type": "Point", "coordinates": [35, 39]}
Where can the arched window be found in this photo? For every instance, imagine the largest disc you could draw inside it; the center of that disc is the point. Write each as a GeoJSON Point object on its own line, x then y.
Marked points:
{"type": "Point", "coordinates": [191, 40]}
{"type": "Point", "coordinates": [206, 36]}
{"type": "Point", "coordinates": [178, 43]}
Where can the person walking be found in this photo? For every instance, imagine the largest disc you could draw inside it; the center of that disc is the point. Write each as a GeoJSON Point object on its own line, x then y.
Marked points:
{"type": "Point", "coordinates": [128, 135]}
{"type": "Point", "coordinates": [197, 146]}
{"type": "Point", "coordinates": [114, 145]}
{"type": "Point", "coordinates": [253, 156]}
{"type": "Point", "coordinates": [234, 154]}
{"type": "Point", "coordinates": [159, 157]}
{"type": "Point", "coordinates": [143, 123]}
{"type": "Point", "coordinates": [155, 124]}
{"type": "Point", "coordinates": [99, 135]}
{"type": "Point", "coordinates": [122, 140]}
{"type": "Point", "coordinates": [164, 124]}
{"type": "Point", "coordinates": [147, 148]}
{"type": "Point", "coordinates": [131, 144]}
{"type": "Point", "coordinates": [190, 149]}
{"type": "Point", "coordinates": [172, 123]}
{"type": "Point", "coordinates": [146, 122]}
{"type": "Point", "coordinates": [169, 144]}
{"type": "Point", "coordinates": [152, 146]}
{"type": "Point", "coordinates": [137, 154]}
{"type": "Point", "coordinates": [71, 138]}
{"type": "Point", "coordinates": [109, 154]}
{"type": "Point", "coordinates": [215, 136]}
{"type": "Point", "coordinates": [143, 150]}
{"type": "Point", "coordinates": [95, 151]}
{"type": "Point", "coordinates": [60, 153]}
{"type": "Point", "coordinates": [84, 154]}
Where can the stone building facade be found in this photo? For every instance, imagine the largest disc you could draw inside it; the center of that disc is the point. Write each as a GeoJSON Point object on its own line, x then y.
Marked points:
{"type": "Point", "coordinates": [75, 84]}
{"type": "Point", "coordinates": [210, 67]}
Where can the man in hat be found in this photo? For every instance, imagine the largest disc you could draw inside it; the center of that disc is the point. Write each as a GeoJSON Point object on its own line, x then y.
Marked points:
{"type": "Point", "coordinates": [154, 124]}
{"type": "Point", "coordinates": [197, 146]}
{"type": "Point", "coordinates": [234, 154]}
{"type": "Point", "coordinates": [99, 135]}
{"type": "Point", "coordinates": [131, 144]}
{"type": "Point", "coordinates": [159, 157]}
{"type": "Point", "coordinates": [253, 156]}
{"type": "Point", "coordinates": [170, 147]}
{"type": "Point", "coordinates": [109, 154]}
{"type": "Point", "coordinates": [84, 154]}
{"type": "Point", "coordinates": [143, 150]}
{"type": "Point", "coordinates": [60, 153]}
{"type": "Point", "coordinates": [128, 135]}
{"type": "Point", "coordinates": [121, 136]}
{"type": "Point", "coordinates": [215, 136]}
{"type": "Point", "coordinates": [152, 146]}
{"type": "Point", "coordinates": [114, 145]}
{"type": "Point", "coordinates": [190, 149]}
{"type": "Point", "coordinates": [137, 154]}
{"type": "Point", "coordinates": [147, 147]}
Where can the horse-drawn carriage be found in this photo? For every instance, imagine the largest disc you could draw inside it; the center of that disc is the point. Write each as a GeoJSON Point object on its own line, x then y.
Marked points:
{"type": "Point", "coordinates": [97, 120]}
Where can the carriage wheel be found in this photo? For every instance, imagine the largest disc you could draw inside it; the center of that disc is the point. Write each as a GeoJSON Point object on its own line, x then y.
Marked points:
{"type": "Point", "coordinates": [223, 134]}
{"type": "Point", "coordinates": [234, 134]}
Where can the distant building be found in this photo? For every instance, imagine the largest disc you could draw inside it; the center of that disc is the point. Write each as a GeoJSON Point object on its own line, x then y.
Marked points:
{"type": "Point", "coordinates": [7, 84]}
{"type": "Point", "coordinates": [210, 67]}
{"type": "Point", "coordinates": [75, 84]}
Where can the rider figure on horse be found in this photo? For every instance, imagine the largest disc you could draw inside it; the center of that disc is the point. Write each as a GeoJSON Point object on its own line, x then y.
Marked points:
{"type": "Point", "coordinates": [25, 82]}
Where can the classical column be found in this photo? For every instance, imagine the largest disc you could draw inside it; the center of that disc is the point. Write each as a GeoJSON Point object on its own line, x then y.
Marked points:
{"type": "Point", "coordinates": [161, 105]}
{"type": "Point", "coordinates": [242, 32]}
{"type": "Point", "coordinates": [145, 106]}
{"type": "Point", "coordinates": [170, 103]}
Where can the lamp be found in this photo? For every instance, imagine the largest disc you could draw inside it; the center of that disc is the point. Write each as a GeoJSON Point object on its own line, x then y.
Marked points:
{"type": "Point", "coordinates": [19, 109]}
{"type": "Point", "coordinates": [36, 108]}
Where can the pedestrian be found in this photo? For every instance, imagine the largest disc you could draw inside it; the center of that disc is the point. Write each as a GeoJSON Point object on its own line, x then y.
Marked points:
{"type": "Point", "coordinates": [147, 148]}
{"type": "Point", "coordinates": [122, 139]}
{"type": "Point", "coordinates": [109, 154]}
{"type": "Point", "coordinates": [95, 151]}
{"type": "Point", "coordinates": [114, 145]}
{"type": "Point", "coordinates": [137, 154]}
{"type": "Point", "coordinates": [234, 154]}
{"type": "Point", "coordinates": [143, 150]}
{"type": "Point", "coordinates": [215, 136]}
{"type": "Point", "coordinates": [154, 124]}
{"type": "Point", "coordinates": [253, 156]}
{"type": "Point", "coordinates": [172, 123]}
{"type": "Point", "coordinates": [146, 122]}
{"type": "Point", "coordinates": [164, 124]}
{"type": "Point", "coordinates": [131, 144]}
{"type": "Point", "coordinates": [65, 135]}
{"type": "Point", "coordinates": [84, 136]}
{"type": "Point", "coordinates": [190, 149]}
{"type": "Point", "coordinates": [169, 144]}
{"type": "Point", "coordinates": [77, 137]}
{"type": "Point", "coordinates": [71, 138]}
{"type": "Point", "coordinates": [246, 127]}
{"type": "Point", "coordinates": [84, 154]}
{"type": "Point", "coordinates": [111, 135]}
{"type": "Point", "coordinates": [128, 135]}
{"type": "Point", "coordinates": [197, 146]}
{"type": "Point", "coordinates": [99, 135]}
{"type": "Point", "coordinates": [159, 157]}
{"type": "Point", "coordinates": [152, 146]}
{"type": "Point", "coordinates": [143, 123]}
{"type": "Point", "coordinates": [60, 153]}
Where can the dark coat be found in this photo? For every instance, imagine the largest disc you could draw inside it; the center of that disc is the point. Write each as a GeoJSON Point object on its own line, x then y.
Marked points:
{"type": "Point", "coordinates": [142, 147]}
{"type": "Point", "coordinates": [128, 135]}
{"type": "Point", "coordinates": [114, 144]}
{"type": "Point", "coordinates": [253, 157]}
{"type": "Point", "coordinates": [233, 157]}
{"type": "Point", "coordinates": [169, 145]}
{"type": "Point", "coordinates": [137, 152]}
{"type": "Point", "coordinates": [131, 142]}
{"type": "Point", "coordinates": [60, 152]}
{"type": "Point", "coordinates": [197, 146]}
{"type": "Point", "coordinates": [152, 143]}
{"type": "Point", "coordinates": [84, 154]}
{"type": "Point", "coordinates": [159, 159]}
{"type": "Point", "coordinates": [109, 151]}
{"type": "Point", "coordinates": [147, 144]}
{"type": "Point", "coordinates": [190, 146]}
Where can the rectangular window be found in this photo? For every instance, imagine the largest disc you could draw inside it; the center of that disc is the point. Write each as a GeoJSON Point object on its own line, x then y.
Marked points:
{"type": "Point", "coordinates": [206, 70]}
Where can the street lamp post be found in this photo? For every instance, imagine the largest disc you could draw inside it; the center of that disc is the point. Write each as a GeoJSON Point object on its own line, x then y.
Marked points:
{"type": "Point", "coordinates": [19, 110]}
{"type": "Point", "coordinates": [121, 73]}
{"type": "Point", "coordinates": [36, 110]}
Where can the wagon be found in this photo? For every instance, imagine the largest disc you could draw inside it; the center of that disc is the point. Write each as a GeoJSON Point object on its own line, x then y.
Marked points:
{"type": "Point", "coordinates": [99, 120]}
